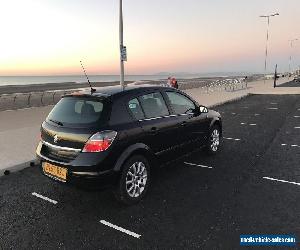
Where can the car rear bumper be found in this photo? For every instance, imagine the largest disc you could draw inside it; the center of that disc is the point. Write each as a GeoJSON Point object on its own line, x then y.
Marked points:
{"type": "Point", "coordinates": [87, 179]}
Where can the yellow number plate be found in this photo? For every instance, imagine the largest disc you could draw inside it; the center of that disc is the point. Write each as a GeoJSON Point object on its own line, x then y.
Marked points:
{"type": "Point", "coordinates": [55, 171]}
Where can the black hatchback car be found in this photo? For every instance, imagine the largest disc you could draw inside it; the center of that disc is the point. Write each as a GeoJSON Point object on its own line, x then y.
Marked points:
{"type": "Point", "coordinates": [113, 136]}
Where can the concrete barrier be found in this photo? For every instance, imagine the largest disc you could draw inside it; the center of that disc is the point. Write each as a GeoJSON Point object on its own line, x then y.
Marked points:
{"type": "Point", "coordinates": [44, 98]}
{"type": "Point", "coordinates": [32, 99]}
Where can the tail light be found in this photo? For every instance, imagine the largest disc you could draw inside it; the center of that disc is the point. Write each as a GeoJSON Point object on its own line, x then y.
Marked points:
{"type": "Point", "coordinates": [99, 142]}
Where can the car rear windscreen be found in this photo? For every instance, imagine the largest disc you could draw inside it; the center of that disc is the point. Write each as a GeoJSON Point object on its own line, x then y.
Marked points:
{"type": "Point", "coordinates": [78, 111]}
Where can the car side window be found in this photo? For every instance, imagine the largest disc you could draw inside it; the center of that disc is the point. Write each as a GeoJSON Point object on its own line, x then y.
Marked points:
{"type": "Point", "coordinates": [180, 103]}
{"type": "Point", "coordinates": [154, 105]}
{"type": "Point", "coordinates": [135, 109]}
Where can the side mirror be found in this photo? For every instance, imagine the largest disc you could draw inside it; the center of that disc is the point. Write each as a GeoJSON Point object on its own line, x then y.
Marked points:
{"type": "Point", "coordinates": [203, 109]}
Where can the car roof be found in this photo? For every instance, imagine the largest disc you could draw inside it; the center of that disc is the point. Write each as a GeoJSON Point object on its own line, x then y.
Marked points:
{"type": "Point", "coordinates": [118, 90]}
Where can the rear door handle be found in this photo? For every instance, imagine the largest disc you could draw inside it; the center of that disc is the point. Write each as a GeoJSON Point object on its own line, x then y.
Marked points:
{"type": "Point", "coordinates": [154, 130]}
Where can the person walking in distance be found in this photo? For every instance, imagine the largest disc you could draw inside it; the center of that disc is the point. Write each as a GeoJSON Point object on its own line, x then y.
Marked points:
{"type": "Point", "coordinates": [174, 83]}
{"type": "Point", "coordinates": [169, 82]}
{"type": "Point", "coordinates": [246, 81]}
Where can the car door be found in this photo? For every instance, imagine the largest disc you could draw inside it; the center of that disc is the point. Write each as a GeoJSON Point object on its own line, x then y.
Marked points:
{"type": "Point", "coordinates": [158, 125]}
{"type": "Point", "coordinates": [193, 125]}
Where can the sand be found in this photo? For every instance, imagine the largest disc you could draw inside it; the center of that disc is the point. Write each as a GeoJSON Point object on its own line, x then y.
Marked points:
{"type": "Point", "coordinates": [11, 89]}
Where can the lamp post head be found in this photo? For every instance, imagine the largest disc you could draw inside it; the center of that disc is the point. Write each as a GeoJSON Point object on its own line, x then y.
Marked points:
{"type": "Point", "coordinates": [268, 16]}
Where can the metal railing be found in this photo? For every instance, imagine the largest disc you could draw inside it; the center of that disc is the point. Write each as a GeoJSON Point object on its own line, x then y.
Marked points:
{"type": "Point", "coordinates": [211, 86]}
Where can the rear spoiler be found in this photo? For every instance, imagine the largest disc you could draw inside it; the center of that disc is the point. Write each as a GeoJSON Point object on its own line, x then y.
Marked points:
{"type": "Point", "coordinates": [80, 94]}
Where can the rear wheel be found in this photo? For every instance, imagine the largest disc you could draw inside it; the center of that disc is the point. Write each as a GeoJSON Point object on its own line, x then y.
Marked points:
{"type": "Point", "coordinates": [214, 140]}
{"type": "Point", "coordinates": [134, 181]}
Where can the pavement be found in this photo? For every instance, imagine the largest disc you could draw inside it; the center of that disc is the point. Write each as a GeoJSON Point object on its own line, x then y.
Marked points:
{"type": "Point", "coordinates": [19, 135]}
{"type": "Point", "coordinates": [19, 129]}
{"type": "Point", "coordinates": [198, 202]}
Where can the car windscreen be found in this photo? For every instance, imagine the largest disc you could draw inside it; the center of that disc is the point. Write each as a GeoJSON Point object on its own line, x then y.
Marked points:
{"type": "Point", "coordinates": [78, 111]}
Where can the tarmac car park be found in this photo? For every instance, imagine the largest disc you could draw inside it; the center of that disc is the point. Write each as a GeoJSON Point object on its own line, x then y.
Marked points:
{"type": "Point", "coordinates": [195, 202]}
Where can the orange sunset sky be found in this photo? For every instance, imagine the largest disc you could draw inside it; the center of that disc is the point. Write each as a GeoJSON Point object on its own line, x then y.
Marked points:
{"type": "Point", "coordinates": [50, 37]}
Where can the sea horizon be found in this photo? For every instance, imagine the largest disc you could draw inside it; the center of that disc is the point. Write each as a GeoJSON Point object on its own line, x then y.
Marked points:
{"type": "Point", "coordinates": [47, 79]}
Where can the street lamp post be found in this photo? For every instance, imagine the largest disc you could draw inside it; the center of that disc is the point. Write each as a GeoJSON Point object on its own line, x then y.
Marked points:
{"type": "Point", "coordinates": [266, 53]}
{"type": "Point", "coordinates": [121, 45]}
{"type": "Point", "coordinates": [290, 63]}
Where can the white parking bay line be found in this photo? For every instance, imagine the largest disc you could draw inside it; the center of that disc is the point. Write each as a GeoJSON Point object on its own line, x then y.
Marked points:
{"type": "Point", "coordinates": [273, 103]}
{"type": "Point", "coordinates": [273, 108]}
{"type": "Point", "coordinates": [297, 127]}
{"type": "Point", "coordinates": [229, 138]}
{"type": "Point", "coordinates": [251, 124]}
{"type": "Point", "coordinates": [193, 164]}
{"type": "Point", "coordinates": [284, 181]}
{"type": "Point", "coordinates": [297, 116]}
{"type": "Point", "coordinates": [293, 145]}
{"type": "Point", "coordinates": [44, 198]}
{"type": "Point", "coordinates": [120, 229]}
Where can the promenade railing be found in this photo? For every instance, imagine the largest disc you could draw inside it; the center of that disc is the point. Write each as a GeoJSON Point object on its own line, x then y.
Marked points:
{"type": "Point", "coordinates": [211, 86]}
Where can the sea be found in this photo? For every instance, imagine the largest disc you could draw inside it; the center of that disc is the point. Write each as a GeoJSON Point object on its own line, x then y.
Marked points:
{"type": "Point", "coordinates": [25, 80]}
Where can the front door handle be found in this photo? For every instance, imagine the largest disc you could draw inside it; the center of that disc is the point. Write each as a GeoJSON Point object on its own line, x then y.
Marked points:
{"type": "Point", "coordinates": [183, 124]}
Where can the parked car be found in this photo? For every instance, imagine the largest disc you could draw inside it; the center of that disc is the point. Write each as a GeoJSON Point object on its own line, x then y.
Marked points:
{"type": "Point", "coordinates": [115, 136]}
{"type": "Point", "coordinates": [297, 78]}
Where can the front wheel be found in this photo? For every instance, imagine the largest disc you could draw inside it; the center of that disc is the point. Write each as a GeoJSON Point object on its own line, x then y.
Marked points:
{"type": "Point", "coordinates": [214, 140]}
{"type": "Point", "coordinates": [134, 181]}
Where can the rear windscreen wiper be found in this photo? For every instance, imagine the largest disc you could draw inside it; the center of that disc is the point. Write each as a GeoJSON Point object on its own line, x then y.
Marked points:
{"type": "Point", "coordinates": [57, 122]}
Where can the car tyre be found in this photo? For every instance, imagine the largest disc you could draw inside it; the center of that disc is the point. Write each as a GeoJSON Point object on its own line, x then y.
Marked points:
{"type": "Point", "coordinates": [134, 181]}
{"type": "Point", "coordinates": [214, 140]}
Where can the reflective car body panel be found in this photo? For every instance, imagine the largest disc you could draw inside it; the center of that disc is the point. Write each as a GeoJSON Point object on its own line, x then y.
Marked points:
{"type": "Point", "coordinates": [163, 137]}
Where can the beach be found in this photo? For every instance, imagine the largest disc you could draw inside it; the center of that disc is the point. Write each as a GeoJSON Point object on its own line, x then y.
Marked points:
{"type": "Point", "coordinates": [13, 97]}
{"type": "Point", "coordinates": [12, 89]}
{"type": "Point", "coordinates": [41, 87]}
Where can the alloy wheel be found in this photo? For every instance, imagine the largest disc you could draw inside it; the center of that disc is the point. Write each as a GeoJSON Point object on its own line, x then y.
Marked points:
{"type": "Point", "coordinates": [136, 179]}
{"type": "Point", "coordinates": [215, 140]}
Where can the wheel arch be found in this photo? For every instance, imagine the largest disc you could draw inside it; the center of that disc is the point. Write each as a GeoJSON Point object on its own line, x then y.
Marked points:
{"type": "Point", "coordinates": [138, 148]}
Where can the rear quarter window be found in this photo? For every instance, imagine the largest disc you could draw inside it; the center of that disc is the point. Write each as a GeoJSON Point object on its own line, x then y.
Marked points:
{"type": "Point", "coordinates": [136, 109]}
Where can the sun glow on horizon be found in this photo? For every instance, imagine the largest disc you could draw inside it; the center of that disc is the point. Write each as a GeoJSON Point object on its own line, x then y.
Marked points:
{"type": "Point", "coordinates": [50, 37]}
